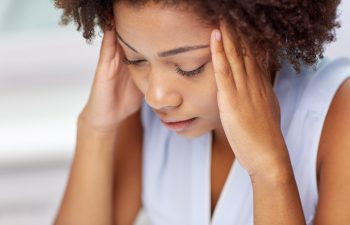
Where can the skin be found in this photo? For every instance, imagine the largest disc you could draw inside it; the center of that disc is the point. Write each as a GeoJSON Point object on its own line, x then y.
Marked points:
{"type": "Point", "coordinates": [229, 80]}
{"type": "Point", "coordinates": [237, 94]}
{"type": "Point", "coordinates": [253, 130]}
{"type": "Point", "coordinates": [170, 94]}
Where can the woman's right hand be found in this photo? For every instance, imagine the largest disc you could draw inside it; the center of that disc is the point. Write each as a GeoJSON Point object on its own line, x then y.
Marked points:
{"type": "Point", "coordinates": [114, 95]}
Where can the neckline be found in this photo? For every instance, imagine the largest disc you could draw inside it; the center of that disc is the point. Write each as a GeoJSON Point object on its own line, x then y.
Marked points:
{"type": "Point", "coordinates": [222, 196]}
{"type": "Point", "coordinates": [201, 182]}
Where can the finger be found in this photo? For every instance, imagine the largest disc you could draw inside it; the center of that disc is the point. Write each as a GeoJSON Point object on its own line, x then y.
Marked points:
{"type": "Point", "coordinates": [108, 62]}
{"type": "Point", "coordinates": [253, 71]}
{"type": "Point", "coordinates": [234, 54]}
{"type": "Point", "coordinates": [222, 70]}
{"type": "Point", "coordinates": [249, 59]}
{"type": "Point", "coordinates": [108, 46]}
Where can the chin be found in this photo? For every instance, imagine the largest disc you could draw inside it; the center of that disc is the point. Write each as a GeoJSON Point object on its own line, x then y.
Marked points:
{"type": "Point", "coordinates": [192, 134]}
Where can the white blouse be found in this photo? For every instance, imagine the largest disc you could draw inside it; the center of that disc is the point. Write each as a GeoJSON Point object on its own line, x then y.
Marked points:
{"type": "Point", "coordinates": [176, 170]}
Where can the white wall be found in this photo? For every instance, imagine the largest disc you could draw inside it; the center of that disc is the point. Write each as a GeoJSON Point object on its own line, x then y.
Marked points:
{"type": "Point", "coordinates": [342, 46]}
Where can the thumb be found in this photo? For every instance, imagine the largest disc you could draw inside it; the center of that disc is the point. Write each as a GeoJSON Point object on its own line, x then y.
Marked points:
{"type": "Point", "coordinates": [109, 45]}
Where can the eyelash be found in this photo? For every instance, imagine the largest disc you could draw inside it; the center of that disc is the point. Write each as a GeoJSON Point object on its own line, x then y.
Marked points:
{"type": "Point", "coordinates": [178, 70]}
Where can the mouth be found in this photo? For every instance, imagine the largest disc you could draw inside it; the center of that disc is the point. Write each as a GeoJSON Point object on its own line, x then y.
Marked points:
{"type": "Point", "coordinates": [178, 125]}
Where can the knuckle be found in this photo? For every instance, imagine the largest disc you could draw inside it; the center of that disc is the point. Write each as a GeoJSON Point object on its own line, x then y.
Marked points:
{"type": "Point", "coordinates": [220, 49]}
{"type": "Point", "coordinates": [225, 70]}
{"type": "Point", "coordinates": [232, 51]}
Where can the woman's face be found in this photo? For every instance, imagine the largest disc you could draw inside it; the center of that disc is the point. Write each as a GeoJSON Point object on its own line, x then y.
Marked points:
{"type": "Point", "coordinates": [167, 42]}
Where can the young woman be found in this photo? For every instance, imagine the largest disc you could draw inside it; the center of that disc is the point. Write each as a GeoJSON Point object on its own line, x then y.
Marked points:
{"type": "Point", "coordinates": [220, 112]}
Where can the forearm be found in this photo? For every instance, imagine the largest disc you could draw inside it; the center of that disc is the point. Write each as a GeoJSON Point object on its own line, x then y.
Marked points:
{"type": "Point", "coordinates": [276, 197]}
{"type": "Point", "coordinates": [88, 197]}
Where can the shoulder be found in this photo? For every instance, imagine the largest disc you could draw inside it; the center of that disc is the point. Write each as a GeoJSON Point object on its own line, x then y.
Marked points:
{"type": "Point", "coordinates": [336, 129]}
{"type": "Point", "coordinates": [334, 160]}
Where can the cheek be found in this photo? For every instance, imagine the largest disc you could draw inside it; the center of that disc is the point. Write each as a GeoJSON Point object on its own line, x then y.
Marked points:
{"type": "Point", "coordinates": [210, 100]}
{"type": "Point", "coordinates": [205, 98]}
{"type": "Point", "coordinates": [209, 87]}
{"type": "Point", "coordinates": [139, 79]}
{"type": "Point", "coordinates": [210, 94]}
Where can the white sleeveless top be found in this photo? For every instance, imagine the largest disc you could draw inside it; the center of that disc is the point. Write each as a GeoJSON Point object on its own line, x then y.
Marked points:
{"type": "Point", "coordinates": [176, 170]}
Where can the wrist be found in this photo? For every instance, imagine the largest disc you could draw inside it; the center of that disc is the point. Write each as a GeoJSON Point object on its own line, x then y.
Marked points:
{"type": "Point", "coordinates": [92, 137]}
{"type": "Point", "coordinates": [95, 140]}
{"type": "Point", "coordinates": [273, 166]}
{"type": "Point", "coordinates": [84, 123]}
{"type": "Point", "coordinates": [274, 173]}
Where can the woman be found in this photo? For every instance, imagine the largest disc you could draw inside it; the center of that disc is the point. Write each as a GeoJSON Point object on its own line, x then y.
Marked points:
{"type": "Point", "coordinates": [242, 121]}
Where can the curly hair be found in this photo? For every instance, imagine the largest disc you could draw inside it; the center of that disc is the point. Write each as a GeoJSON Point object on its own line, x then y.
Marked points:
{"type": "Point", "coordinates": [295, 30]}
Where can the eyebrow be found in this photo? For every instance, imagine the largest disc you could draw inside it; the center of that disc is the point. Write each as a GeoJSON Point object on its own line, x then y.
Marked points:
{"type": "Point", "coordinates": [168, 52]}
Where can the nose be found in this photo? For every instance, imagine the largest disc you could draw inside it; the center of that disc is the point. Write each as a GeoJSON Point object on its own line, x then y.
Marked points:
{"type": "Point", "coordinates": [161, 93]}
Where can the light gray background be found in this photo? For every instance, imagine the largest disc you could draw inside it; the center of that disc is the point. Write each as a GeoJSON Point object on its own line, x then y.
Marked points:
{"type": "Point", "coordinates": [45, 77]}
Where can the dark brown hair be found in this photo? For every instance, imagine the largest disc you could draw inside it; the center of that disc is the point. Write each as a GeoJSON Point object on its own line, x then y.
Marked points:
{"type": "Point", "coordinates": [295, 30]}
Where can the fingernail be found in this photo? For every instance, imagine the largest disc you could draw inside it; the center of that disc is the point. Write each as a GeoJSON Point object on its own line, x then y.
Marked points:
{"type": "Point", "coordinates": [217, 35]}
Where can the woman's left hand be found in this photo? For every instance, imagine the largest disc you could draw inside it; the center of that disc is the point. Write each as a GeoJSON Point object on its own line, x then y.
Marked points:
{"type": "Point", "coordinates": [249, 110]}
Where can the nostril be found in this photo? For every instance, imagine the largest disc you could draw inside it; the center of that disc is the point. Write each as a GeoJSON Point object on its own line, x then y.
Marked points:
{"type": "Point", "coordinates": [163, 101]}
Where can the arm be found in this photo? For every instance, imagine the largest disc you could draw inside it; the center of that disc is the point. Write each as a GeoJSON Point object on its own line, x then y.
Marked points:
{"type": "Point", "coordinates": [127, 171]}
{"type": "Point", "coordinates": [334, 157]}
{"type": "Point", "coordinates": [109, 118]}
{"type": "Point", "coordinates": [88, 195]}
{"type": "Point", "coordinates": [275, 196]}
{"type": "Point", "coordinates": [276, 199]}
{"type": "Point", "coordinates": [104, 186]}
{"type": "Point", "coordinates": [250, 116]}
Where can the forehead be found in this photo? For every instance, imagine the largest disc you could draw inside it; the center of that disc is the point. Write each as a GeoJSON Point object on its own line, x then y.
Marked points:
{"type": "Point", "coordinates": [159, 25]}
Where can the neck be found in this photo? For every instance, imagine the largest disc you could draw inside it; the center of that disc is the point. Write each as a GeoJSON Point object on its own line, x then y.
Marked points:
{"type": "Point", "coordinates": [220, 142]}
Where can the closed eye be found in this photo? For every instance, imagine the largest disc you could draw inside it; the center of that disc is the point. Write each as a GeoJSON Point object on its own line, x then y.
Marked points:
{"type": "Point", "coordinates": [190, 73]}
{"type": "Point", "coordinates": [132, 62]}
{"type": "Point", "coordinates": [177, 69]}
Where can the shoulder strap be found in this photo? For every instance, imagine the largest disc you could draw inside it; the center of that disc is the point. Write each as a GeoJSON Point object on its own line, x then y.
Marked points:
{"type": "Point", "coordinates": [322, 88]}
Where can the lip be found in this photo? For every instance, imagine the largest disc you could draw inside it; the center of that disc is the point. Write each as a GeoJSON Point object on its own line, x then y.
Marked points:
{"type": "Point", "coordinates": [178, 125]}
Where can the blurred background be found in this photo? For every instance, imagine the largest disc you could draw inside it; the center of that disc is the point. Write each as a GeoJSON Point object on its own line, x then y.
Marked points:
{"type": "Point", "coordinates": [45, 76]}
